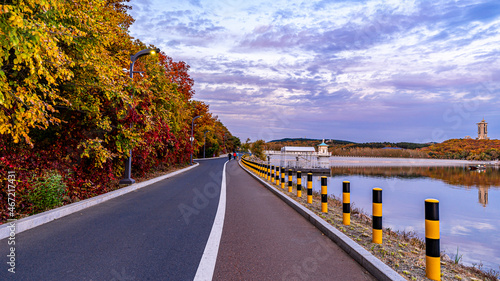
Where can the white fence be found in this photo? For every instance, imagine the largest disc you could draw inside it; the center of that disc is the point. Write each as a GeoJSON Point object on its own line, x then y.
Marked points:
{"type": "Point", "coordinates": [298, 161]}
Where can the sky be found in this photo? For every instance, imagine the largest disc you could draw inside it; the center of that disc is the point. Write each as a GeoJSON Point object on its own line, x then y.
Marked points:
{"type": "Point", "coordinates": [363, 71]}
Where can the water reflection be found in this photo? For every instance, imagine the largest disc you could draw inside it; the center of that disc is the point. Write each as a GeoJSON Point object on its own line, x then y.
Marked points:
{"type": "Point", "coordinates": [469, 204]}
{"type": "Point", "coordinates": [460, 177]}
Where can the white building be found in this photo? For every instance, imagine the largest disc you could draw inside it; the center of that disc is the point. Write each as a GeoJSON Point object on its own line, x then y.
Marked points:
{"type": "Point", "coordinates": [323, 149]}
{"type": "Point", "coordinates": [300, 156]}
{"type": "Point", "coordinates": [302, 150]}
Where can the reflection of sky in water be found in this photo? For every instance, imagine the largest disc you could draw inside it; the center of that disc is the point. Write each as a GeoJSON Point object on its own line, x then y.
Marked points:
{"type": "Point", "coordinates": [464, 222]}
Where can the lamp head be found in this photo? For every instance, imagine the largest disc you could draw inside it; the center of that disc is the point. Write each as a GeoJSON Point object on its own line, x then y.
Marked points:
{"type": "Point", "coordinates": [144, 52]}
{"type": "Point", "coordinates": [154, 51]}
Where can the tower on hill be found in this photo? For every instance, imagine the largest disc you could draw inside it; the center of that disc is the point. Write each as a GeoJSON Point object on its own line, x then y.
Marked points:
{"type": "Point", "coordinates": [482, 131]}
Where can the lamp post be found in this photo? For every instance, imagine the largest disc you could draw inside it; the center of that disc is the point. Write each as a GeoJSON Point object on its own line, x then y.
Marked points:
{"type": "Point", "coordinates": [192, 137]}
{"type": "Point", "coordinates": [128, 163]}
{"type": "Point", "coordinates": [204, 141]}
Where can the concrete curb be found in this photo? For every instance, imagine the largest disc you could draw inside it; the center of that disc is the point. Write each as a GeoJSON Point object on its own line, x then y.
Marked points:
{"type": "Point", "coordinates": [45, 217]}
{"type": "Point", "coordinates": [377, 268]}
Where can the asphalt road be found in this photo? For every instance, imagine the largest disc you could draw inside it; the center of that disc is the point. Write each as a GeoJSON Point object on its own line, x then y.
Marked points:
{"type": "Point", "coordinates": [265, 239]}
{"type": "Point", "coordinates": [160, 233]}
{"type": "Point", "coordinates": [155, 233]}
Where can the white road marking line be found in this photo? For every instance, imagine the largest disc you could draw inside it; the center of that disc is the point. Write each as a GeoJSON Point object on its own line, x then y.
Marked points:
{"type": "Point", "coordinates": [207, 264]}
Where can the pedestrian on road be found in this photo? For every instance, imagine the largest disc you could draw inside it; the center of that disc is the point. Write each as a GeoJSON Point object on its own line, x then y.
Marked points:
{"type": "Point", "coordinates": [229, 155]}
{"type": "Point", "coordinates": [235, 156]}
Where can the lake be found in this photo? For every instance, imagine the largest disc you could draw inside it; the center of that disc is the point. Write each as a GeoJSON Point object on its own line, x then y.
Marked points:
{"type": "Point", "coordinates": [469, 204]}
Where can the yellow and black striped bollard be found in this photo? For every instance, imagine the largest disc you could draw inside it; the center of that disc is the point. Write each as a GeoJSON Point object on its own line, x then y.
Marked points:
{"type": "Point", "coordinates": [283, 177]}
{"type": "Point", "coordinates": [346, 202]}
{"type": "Point", "coordinates": [377, 215]}
{"type": "Point", "coordinates": [324, 195]}
{"type": "Point", "coordinates": [272, 173]}
{"type": "Point", "coordinates": [290, 185]}
{"type": "Point", "coordinates": [309, 188]}
{"type": "Point", "coordinates": [269, 172]}
{"type": "Point", "coordinates": [299, 184]}
{"type": "Point", "coordinates": [432, 249]}
{"type": "Point", "coordinates": [277, 176]}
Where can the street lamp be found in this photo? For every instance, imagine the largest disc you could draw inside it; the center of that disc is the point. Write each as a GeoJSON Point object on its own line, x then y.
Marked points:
{"type": "Point", "coordinates": [128, 163]}
{"type": "Point", "coordinates": [192, 137]}
{"type": "Point", "coordinates": [204, 141]}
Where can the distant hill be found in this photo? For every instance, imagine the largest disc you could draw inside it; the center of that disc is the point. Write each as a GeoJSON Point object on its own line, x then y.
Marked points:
{"type": "Point", "coordinates": [467, 149]}
{"type": "Point", "coordinates": [350, 144]}
{"type": "Point", "coordinates": [305, 140]}
{"type": "Point", "coordinates": [293, 139]}
{"type": "Point", "coordinates": [404, 145]}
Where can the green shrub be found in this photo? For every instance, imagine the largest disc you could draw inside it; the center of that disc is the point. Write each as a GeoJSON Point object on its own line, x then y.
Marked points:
{"type": "Point", "coordinates": [47, 192]}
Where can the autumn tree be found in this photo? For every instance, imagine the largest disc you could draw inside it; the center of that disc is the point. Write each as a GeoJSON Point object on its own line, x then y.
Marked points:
{"type": "Point", "coordinates": [60, 55]}
{"type": "Point", "coordinates": [257, 149]}
{"type": "Point", "coordinates": [66, 105]}
{"type": "Point", "coordinates": [246, 146]}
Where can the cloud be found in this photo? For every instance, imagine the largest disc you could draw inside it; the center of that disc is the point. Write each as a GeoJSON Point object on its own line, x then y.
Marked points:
{"type": "Point", "coordinates": [355, 65]}
{"type": "Point", "coordinates": [176, 28]}
{"type": "Point", "coordinates": [195, 3]}
{"type": "Point", "coordinates": [482, 12]}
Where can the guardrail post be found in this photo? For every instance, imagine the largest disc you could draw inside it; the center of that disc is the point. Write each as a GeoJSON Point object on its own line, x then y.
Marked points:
{"type": "Point", "coordinates": [309, 188]}
{"type": "Point", "coordinates": [290, 185]}
{"type": "Point", "coordinates": [377, 215]}
{"type": "Point", "coordinates": [283, 177]}
{"type": "Point", "coordinates": [277, 176]}
{"type": "Point", "coordinates": [299, 184]}
{"type": "Point", "coordinates": [346, 202]}
{"type": "Point", "coordinates": [432, 249]}
{"type": "Point", "coordinates": [268, 167]}
{"type": "Point", "coordinates": [324, 195]}
{"type": "Point", "coordinates": [272, 173]}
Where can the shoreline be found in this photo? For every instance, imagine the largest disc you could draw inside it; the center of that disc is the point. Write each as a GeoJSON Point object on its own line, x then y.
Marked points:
{"type": "Point", "coordinates": [387, 161]}
{"type": "Point", "coordinates": [367, 161]}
